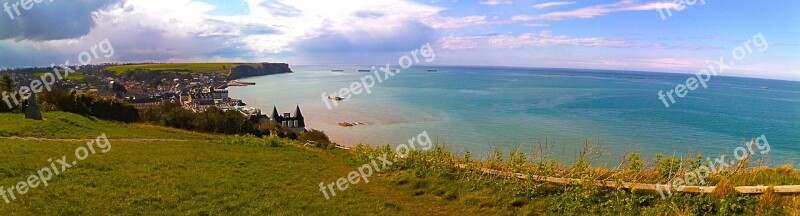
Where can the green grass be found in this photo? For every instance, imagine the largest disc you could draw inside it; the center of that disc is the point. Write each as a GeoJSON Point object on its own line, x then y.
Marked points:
{"type": "Point", "coordinates": [69, 125]}
{"type": "Point", "coordinates": [77, 76]}
{"type": "Point", "coordinates": [201, 174]}
{"type": "Point", "coordinates": [204, 175]}
{"type": "Point", "coordinates": [434, 172]}
{"type": "Point", "coordinates": [198, 67]}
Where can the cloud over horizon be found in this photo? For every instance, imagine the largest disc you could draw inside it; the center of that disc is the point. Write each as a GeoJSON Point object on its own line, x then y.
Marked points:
{"type": "Point", "coordinates": [359, 32]}
{"type": "Point", "coordinates": [598, 10]}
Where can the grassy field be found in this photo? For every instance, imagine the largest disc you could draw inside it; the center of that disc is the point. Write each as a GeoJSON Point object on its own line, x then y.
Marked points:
{"type": "Point", "coordinates": [199, 67]}
{"type": "Point", "coordinates": [69, 125]}
{"type": "Point", "coordinates": [190, 66]}
{"type": "Point", "coordinates": [201, 174]}
{"type": "Point", "coordinates": [77, 76]}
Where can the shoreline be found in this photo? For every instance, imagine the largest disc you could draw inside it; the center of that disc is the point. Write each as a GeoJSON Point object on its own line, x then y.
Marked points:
{"type": "Point", "coordinates": [239, 83]}
{"type": "Point", "coordinates": [236, 82]}
{"type": "Point", "coordinates": [517, 121]}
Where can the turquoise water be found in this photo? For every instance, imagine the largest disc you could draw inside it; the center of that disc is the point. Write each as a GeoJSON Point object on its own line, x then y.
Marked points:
{"type": "Point", "coordinates": [484, 108]}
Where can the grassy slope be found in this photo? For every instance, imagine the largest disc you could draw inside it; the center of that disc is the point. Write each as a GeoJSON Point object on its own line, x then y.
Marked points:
{"type": "Point", "coordinates": [196, 67]}
{"type": "Point", "coordinates": [77, 76]}
{"type": "Point", "coordinates": [190, 66]}
{"type": "Point", "coordinates": [205, 174]}
{"type": "Point", "coordinates": [214, 174]}
{"type": "Point", "coordinates": [68, 125]}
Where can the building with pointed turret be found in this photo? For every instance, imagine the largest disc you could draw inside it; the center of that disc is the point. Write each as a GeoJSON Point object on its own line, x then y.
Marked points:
{"type": "Point", "coordinates": [294, 122]}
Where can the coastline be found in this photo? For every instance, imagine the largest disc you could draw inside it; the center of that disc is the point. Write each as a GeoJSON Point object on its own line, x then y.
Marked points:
{"type": "Point", "coordinates": [521, 107]}
{"type": "Point", "coordinates": [239, 83]}
{"type": "Point", "coordinates": [247, 71]}
{"type": "Point", "coordinates": [259, 75]}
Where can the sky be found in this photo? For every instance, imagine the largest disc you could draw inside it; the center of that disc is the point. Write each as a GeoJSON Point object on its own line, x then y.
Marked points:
{"type": "Point", "coordinates": [598, 34]}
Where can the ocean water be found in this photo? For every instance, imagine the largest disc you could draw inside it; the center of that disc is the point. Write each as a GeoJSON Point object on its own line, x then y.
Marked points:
{"type": "Point", "coordinates": [485, 108]}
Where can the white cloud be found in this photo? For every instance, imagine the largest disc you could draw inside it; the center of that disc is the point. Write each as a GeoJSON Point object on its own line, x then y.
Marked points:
{"type": "Point", "coordinates": [535, 25]}
{"type": "Point", "coordinates": [455, 22]}
{"type": "Point", "coordinates": [541, 39]}
{"type": "Point", "coordinates": [495, 2]}
{"type": "Point", "coordinates": [551, 4]}
{"type": "Point", "coordinates": [598, 10]}
{"type": "Point", "coordinates": [172, 30]}
{"type": "Point", "coordinates": [310, 31]}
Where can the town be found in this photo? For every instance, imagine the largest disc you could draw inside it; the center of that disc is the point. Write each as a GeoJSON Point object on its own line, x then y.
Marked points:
{"type": "Point", "coordinates": [195, 86]}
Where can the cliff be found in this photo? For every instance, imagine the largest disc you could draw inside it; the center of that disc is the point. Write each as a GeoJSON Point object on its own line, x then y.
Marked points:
{"type": "Point", "coordinates": [242, 71]}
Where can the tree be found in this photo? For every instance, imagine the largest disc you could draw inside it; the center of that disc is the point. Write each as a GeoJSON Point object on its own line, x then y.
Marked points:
{"type": "Point", "coordinates": [211, 120]}
{"type": "Point", "coordinates": [7, 86]}
{"type": "Point", "coordinates": [178, 118]}
{"type": "Point", "coordinates": [7, 83]}
{"type": "Point", "coordinates": [235, 123]}
{"type": "Point", "coordinates": [88, 104]}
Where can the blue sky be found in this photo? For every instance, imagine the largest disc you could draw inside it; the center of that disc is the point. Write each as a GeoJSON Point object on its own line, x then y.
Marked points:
{"type": "Point", "coordinates": [609, 34]}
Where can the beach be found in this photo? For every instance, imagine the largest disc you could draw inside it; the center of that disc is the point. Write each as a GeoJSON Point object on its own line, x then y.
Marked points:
{"type": "Point", "coordinates": [480, 109]}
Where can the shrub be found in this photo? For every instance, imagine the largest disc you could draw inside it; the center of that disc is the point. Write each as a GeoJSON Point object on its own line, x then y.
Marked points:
{"type": "Point", "coordinates": [315, 137]}
{"type": "Point", "coordinates": [88, 104]}
{"type": "Point", "coordinates": [768, 203]}
{"type": "Point", "coordinates": [633, 162]}
{"type": "Point", "coordinates": [667, 166]}
{"type": "Point", "coordinates": [7, 85]}
{"type": "Point", "coordinates": [178, 118]}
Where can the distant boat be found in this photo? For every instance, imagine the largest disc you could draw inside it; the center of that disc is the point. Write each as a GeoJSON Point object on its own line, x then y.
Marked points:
{"type": "Point", "coordinates": [433, 71]}
{"type": "Point", "coordinates": [364, 71]}
{"type": "Point", "coordinates": [335, 98]}
{"type": "Point", "coordinates": [764, 87]}
{"type": "Point", "coordinates": [337, 70]}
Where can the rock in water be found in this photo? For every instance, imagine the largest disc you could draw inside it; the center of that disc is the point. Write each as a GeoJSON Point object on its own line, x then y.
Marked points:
{"type": "Point", "coordinates": [32, 108]}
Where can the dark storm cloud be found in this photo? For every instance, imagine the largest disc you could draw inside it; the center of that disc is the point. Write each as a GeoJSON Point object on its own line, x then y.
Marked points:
{"type": "Point", "coordinates": [50, 20]}
{"type": "Point", "coordinates": [409, 35]}
{"type": "Point", "coordinates": [131, 45]}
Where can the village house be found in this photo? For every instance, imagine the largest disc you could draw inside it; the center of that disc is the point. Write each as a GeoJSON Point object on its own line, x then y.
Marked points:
{"type": "Point", "coordinates": [294, 122]}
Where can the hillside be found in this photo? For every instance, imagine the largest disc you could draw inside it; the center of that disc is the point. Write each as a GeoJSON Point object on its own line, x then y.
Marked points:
{"type": "Point", "coordinates": [232, 70]}
{"type": "Point", "coordinates": [243, 71]}
{"type": "Point", "coordinates": [200, 67]}
{"type": "Point", "coordinates": [152, 170]}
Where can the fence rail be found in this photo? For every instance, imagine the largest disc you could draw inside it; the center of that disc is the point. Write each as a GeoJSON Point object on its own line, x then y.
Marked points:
{"type": "Point", "coordinates": [632, 185]}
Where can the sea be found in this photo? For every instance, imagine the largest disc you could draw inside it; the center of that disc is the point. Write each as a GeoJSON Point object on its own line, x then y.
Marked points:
{"type": "Point", "coordinates": [545, 113]}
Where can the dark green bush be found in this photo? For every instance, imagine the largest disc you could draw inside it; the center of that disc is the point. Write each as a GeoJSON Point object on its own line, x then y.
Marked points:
{"type": "Point", "coordinates": [316, 138]}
